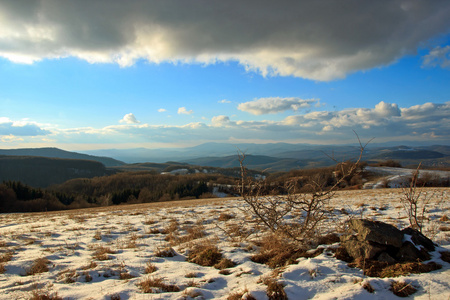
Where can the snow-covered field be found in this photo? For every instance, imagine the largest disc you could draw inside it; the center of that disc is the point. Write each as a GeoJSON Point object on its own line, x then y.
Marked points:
{"type": "Point", "coordinates": [135, 234]}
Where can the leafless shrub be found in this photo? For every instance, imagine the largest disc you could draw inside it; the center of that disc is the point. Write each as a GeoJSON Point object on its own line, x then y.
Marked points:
{"type": "Point", "coordinates": [156, 285]}
{"type": "Point", "coordinates": [309, 207]}
{"type": "Point", "coordinates": [415, 202]}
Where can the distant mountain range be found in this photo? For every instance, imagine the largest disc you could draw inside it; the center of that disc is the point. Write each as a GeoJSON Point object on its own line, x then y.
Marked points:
{"type": "Point", "coordinates": [281, 156]}
{"type": "Point", "coordinates": [38, 166]}
{"type": "Point", "coordinates": [58, 153]}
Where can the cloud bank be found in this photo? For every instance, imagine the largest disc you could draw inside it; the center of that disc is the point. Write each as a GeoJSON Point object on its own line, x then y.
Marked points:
{"type": "Point", "coordinates": [429, 122]}
{"type": "Point", "coordinates": [319, 40]}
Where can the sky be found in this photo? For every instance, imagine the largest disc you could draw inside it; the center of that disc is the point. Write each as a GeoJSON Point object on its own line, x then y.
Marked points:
{"type": "Point", "coordinates": [102, 74]}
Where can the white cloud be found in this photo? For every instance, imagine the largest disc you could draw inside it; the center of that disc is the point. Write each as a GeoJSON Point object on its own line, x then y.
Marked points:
{"type": "Point", "coordinates": [385, 121]}
{"type": "Point", "coordinates": [184, 111]}
{"type": "Point", "coordinates": [129, 119]}
{"type": "Point", "coordinates": [439, 56]}
{"type": "Point", "coordinates": [223, 101]}
{"type": "Point", "coordinates": [21, 128]}
{"type": "Point", "coordinates": [319, 40]}
{"type": "Point", "coordinates": [273, 105]}
{"type": "Point", "coordinates": [162, 110]}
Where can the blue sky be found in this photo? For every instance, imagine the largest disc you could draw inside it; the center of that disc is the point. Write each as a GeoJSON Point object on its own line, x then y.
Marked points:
{"type": "Point", "coordinates": [105, 74]}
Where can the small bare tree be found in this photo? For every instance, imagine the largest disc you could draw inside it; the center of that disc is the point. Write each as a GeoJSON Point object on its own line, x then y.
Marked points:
{"type": "Point", "coordinates": [415, 202]}
{"type": "Point", "coordinates": [294, 215]}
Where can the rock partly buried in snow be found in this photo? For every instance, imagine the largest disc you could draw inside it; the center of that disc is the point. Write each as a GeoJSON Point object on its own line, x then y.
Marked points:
{"type": "Point", "coordinates": [383, 242]}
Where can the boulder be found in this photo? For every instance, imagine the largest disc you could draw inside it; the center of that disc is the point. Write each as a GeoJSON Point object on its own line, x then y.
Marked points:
{"type": "Point", "coordinates": [377, 232]}
{"type": "Point", "coordinates": [356, 248]}
{"type": "Point", "coordinates": [375, 240]}
{"type": "Point", "coordinates": [418, 239]}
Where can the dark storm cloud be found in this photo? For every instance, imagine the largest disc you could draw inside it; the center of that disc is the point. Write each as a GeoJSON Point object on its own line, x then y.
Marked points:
{"type": "Point", "coordinates": [320, 40]}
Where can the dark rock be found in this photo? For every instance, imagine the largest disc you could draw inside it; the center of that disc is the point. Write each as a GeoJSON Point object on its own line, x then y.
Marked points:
{"type": "Point", "coordinates": [385, 257]}
{"type": "Point", "coordinates": [419, 239]}
{"type": "Point", "coordinates": [377, 232]}
{"type": "Point", "coordinates": [378, 241]}
{"type": "Point", "coordinates": [409, 252]}
{"type": "Point", "coordinates": [356, 248]}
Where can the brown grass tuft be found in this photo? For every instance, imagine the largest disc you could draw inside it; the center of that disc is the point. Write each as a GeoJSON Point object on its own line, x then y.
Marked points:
{"type": "Point", "coordinates": [224, 263]}
{"type": "Point", "coordinates": [368, 287]}
{"type": "Point", "coordinates": [39, 295]}
{"type": "Point", "coordinates": [40, 265]}
{"type": "Point", "coordinates": [208, 255]}
{"type": "Point", "coordinates": [101, 253]}
{"type": "Point", "coordinates": [166, 252]}
{"type": "Point", "coordinates": [240, 294]}
{"type": "Point", "coordinates": [277, 252]}
{"type": "Point", "coordinates": [156, 285]}
{"type": "Point", "coordinates": [382, 269]}
{"type": "Point", "coordinates": [225, 217]}
{"type": "Point", "coordinates": [150, 268]}
{"type": "Point", "coordinates": [6, 257]}
{"type": "Point", "coordinates": [402, 289]}
{"type": "Point", "coordinates": [275, 290]}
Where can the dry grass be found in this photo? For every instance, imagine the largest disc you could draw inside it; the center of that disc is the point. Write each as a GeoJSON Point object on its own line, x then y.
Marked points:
{"type": "Point", "coordinates": [2, 268]}
{"type": "Point", "coordinates": [166, 252]}
{"type": "Point", "coordinates": [275, 290]}
{"type": "Point", "coordinates": [101, 253]}
{"type": "Point", "coordinates": [68, 276]}
{"type": "Point", "coordinates": [5, 257]}
{"type": "Point", "coordinates": [224, 263]}
{"type": "Point", "coordinates": [205, 255]}
{"type": "Point", "coordinates": [368, 287]}
{"type": "Point", "coordinates": [39, 295]}
{"type": "Point", "coordinates": [402, 289]}
{"type": "Point", "coordinates": [225, 217]}
{"type": "Point", "coordinates": [125, 275]}
{"type": "Point", "coordinates": [191, 275]}
{"type": "Point", "coordinates": [40, 265]}
{"type": "Point", "coordinates": [382, 269]}
{"type": "Point", "coordinates": [92, 265]}
{"type": "Point", "coordinates": [278, 252]}
{"type": "Point", "coordinates": [150, 268]}
{"type": "Point", "coordinates": [98, 235]}
{"type": "Point", "coordinates": [156, 285]}
{"type": "Point", "coordinates": [115, 297]}
{"type": "Point", "coordinates": [239, 295]}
